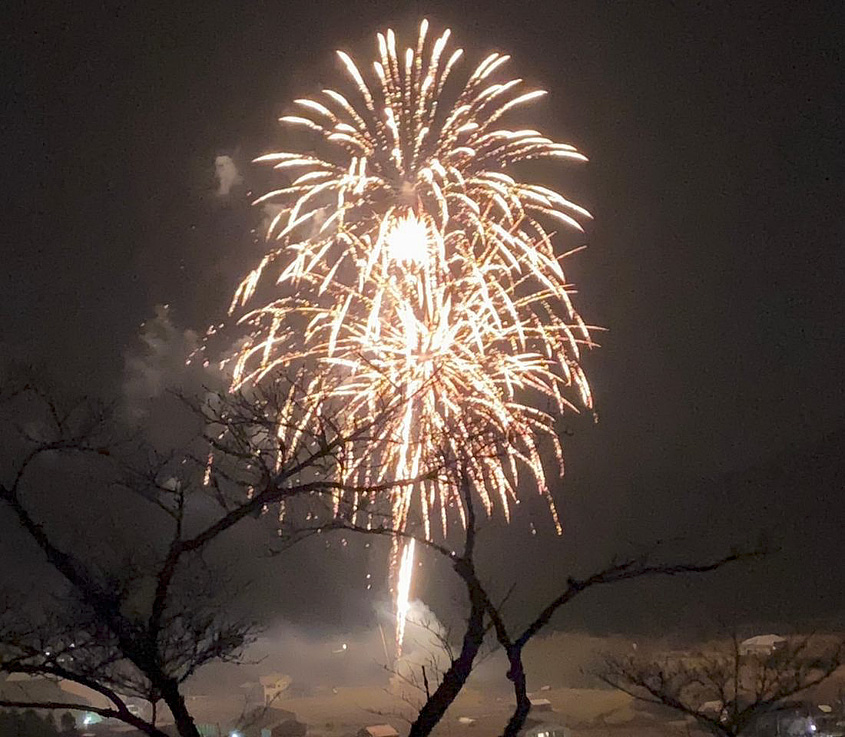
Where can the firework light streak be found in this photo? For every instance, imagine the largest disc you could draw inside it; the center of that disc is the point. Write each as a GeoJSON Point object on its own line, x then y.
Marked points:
{"type": "Point", "coordinates": [403, 590]}
{"type": "Point", "coordinates": [409, 258]}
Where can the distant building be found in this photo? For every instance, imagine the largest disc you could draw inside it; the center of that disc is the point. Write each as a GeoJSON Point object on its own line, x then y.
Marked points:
{"type": "Point", "coordinates": [540, 705]}
{"type": "Point", "coordinates": [761, 645]}
{"type": "Point", "coordinates": [793, 719]}
{"type": "Point", "coordinates": [274, 685]}
{"type": "Point", "coordinates": [714, 708]}
{"type": "Point", "coordinates": [269, 722]}
{"type": "Point", "coordinates": [22, 687]}
{"type": "Point", "coordinates": [377, 730]}
{"type": "Point", "coordinates": [286, 728]}
{"type": "Point", "coordinates": [224, 717]}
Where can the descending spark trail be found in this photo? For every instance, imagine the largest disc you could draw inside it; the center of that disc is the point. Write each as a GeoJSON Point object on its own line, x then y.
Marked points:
{"type": "Point", "coordinates": [409, 258]}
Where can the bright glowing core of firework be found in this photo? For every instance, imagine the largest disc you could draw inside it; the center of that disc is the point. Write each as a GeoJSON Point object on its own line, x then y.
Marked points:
{"type": "Point", "coordinates": [411, 260]}
{"type": "Point", "coordinates": [408, 240]}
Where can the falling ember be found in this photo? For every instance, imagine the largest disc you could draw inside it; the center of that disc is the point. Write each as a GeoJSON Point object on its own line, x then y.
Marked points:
{"type": "Point", "coordinates": [403, 593]}
{"type": "Point", "coordinates": [409, 259]}
{"type": "Point", "coordinates": [209, 465]}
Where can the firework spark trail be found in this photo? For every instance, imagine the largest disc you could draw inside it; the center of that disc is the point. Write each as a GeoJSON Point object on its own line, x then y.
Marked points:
{"type": "Point", "coordinates": [411, 259]}
{"type": "Point", "coordinates": [403, 592]}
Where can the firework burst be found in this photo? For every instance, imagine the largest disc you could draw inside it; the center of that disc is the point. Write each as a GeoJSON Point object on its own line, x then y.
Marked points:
{"type": "Point", "coordinates": [409, 258]}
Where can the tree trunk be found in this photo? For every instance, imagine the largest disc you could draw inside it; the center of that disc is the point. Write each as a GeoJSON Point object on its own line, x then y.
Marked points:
{"type": "Point", "coordinates": [456, 676]}
{"type": "Point", "coordinates": [516, 674]}
{"type": "Point", "coordinates": [185, 725]}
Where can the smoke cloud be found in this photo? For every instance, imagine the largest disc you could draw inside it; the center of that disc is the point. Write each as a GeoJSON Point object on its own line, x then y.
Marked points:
{"type": "Point", "coordinates": [227, 175]}
{"type": "Point", "coordinates": [157, 362]}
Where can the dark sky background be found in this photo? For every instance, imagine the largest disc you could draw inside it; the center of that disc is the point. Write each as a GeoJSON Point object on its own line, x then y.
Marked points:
{"type": "Point", "coordinates": [717, 179]}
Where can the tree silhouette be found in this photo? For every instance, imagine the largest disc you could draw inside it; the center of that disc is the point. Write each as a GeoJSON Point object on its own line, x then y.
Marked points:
{"type": "Point", "coordinates": [484, 615]}
{"type": "Point", "coordinates": [140, 623]}
{"type": "Point", "coordinates": [725, 688]}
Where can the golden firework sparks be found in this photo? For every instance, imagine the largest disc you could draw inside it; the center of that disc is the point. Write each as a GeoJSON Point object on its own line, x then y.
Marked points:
{"type": "Point", "coordinates": [409, 257]}
{"type": "Point", "coordinates": [403, 592]}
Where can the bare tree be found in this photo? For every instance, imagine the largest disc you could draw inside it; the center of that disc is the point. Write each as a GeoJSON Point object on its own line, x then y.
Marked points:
{"type": "Point", "coordinates": [134, 622]}
{"type": "Point", "coordinates": [484, 614]}
{"type": "Point", "coordinates": [725, 687]}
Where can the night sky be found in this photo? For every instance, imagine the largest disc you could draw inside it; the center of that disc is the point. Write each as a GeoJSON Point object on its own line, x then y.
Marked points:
{"type": "Point", "coordinates": [716, 260]}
